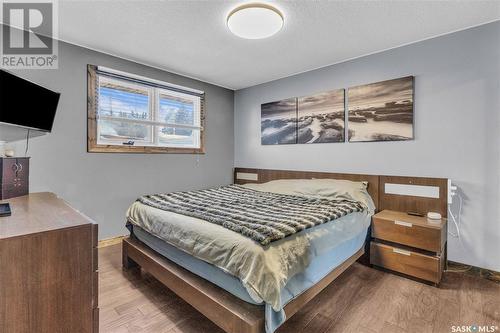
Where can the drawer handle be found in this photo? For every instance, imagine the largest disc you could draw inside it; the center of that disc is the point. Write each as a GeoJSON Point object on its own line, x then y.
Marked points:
{"type": "Point", "coordinates": [406, 253]}
{"type": "Point", "coordinates": [404, 224]}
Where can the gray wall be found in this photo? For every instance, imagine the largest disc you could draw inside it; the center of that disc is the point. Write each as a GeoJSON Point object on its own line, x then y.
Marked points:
{"type": "Point", "coordinates": [456, 128]}
{"type": "Point", "coordinates": [103, 185]}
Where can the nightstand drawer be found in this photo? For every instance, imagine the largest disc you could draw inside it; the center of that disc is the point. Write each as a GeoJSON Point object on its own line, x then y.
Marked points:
{"type": "Point", "coordinates": [415, 264]}
{"type": "Point", "coordinates": [407, 233]}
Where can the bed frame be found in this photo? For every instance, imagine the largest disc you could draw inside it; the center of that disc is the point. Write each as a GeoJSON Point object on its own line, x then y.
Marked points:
{"type": "Point", "coordinates": [237, 316]}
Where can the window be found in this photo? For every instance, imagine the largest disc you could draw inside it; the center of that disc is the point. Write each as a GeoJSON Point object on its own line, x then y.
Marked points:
{"type": "Point", "coordinates": [127, 113]}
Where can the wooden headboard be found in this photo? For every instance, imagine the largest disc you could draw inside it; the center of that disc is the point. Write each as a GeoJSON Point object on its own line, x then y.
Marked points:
{"type": "Point", "coordinates": [384, 190]}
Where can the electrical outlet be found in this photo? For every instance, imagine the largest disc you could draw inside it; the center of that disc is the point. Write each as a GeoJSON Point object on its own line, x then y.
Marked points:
{"type": "Point", "coordinates": [450, 197]}
{"type": "Point", "coordinates": [452, 189]}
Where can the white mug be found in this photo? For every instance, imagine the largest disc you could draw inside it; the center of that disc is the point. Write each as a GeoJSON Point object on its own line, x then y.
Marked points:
{"type": "Point", "coordinates": [433, 216]}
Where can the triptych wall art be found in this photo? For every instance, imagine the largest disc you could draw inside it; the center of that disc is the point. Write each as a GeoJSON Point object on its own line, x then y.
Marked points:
{"type": "Point", "coordinates": [381, 111]}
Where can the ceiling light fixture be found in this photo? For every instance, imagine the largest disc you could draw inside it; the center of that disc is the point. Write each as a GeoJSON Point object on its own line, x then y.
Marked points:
{"type": "Point", "coordinates": [255, 21]}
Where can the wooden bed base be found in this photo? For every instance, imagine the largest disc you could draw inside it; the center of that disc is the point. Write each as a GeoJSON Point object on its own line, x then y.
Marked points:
{"type": "Point", "coordinates": [227, 311]}
{"type": "Point", "coordinates": [236, 316]}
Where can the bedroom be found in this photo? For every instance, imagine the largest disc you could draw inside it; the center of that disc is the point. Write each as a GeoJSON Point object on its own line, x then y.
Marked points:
{"type": "Point", "coordinates": [223, 166]}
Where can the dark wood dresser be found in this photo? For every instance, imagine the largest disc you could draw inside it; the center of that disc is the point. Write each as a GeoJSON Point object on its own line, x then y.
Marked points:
{"type": "Point", "coordinates": [48, 267]}
{"type": "Point", "coordinates": [14, 177]}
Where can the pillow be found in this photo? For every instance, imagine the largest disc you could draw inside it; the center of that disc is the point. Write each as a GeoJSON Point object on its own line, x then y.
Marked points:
{"type": "Point", "coordinates": [332, 189]}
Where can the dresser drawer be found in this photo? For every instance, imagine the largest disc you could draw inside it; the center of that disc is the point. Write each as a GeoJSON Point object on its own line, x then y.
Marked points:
{"type": "Point", "coordinates": [407, 233]}
{"type": "Point", "coordinates": [95, 234]}
{"type": "Point", "coordinates": [415, 264]}
{"type": "Point", "coordinates": [95, 319]}
{"type": "Point", "coordinates": [95, 290]}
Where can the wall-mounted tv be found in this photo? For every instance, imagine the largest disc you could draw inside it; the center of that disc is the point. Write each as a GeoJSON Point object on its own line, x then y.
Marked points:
{"type": "Point", "coordinates": [24, 103]}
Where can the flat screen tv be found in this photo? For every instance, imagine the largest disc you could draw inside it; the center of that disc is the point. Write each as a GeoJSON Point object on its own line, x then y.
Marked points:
{"type": "Point", "coordinates": [24, 103]}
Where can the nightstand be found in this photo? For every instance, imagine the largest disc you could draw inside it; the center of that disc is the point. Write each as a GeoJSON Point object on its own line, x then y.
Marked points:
{"type": "Point", "coordinates": [411, 245]}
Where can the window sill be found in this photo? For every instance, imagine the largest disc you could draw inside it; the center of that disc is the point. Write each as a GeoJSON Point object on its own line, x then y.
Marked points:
{"type": "Point", "coordinates": [100, 148]}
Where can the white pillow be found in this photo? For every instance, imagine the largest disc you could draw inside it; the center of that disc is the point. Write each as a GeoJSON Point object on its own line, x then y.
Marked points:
{"type": "Point", "coordinates": [332, 189]}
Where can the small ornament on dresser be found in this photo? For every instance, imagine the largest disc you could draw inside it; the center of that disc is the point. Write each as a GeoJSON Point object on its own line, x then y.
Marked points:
{"type": "Point", "coordinates": [8, 152]}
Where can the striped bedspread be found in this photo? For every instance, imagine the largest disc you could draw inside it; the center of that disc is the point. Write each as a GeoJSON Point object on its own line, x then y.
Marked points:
{"type": "Point", "coordinates": [262, 216]}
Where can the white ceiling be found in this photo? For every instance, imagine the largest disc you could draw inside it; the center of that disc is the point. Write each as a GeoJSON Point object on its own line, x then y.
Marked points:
{"type": "Point", "coordinates": [191, 38]}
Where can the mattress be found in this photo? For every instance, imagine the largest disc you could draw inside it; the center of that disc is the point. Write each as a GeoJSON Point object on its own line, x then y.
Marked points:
{"type": "Point", "coordinates": [332, 244]}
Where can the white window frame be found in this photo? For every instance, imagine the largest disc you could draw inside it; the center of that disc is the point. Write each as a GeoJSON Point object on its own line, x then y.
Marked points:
{"type": "Point", "coordinates": [154, 89]}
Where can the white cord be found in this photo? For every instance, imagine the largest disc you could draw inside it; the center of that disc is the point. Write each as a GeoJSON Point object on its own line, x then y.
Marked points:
{"type": "Point", "coordinates": [27, 142]}
{"type": "Point", "coordinates": [455, 220]}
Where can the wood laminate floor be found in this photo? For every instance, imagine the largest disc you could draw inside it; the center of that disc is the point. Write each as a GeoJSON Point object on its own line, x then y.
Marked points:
{"type": "Point", "coordinates": [362, 300]}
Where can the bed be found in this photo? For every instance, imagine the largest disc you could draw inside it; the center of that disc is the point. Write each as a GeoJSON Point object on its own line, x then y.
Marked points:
{"type": "Point", "coordinates": [246, 284]}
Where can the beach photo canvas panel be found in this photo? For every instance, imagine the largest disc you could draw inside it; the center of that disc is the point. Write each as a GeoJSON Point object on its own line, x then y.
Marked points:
{"type": "Point", "coordinates": [278, 123]}
{"type": "Point", "coordinates": [381, 111]}
{"type": "Point", "coordinates": [321, 117]}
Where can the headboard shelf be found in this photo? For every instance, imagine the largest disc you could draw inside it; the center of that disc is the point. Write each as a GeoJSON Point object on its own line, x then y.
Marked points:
{"type": "Point", "coordinates": [436, 199]}
{"type": "Point", "coordinates": [418, 194]}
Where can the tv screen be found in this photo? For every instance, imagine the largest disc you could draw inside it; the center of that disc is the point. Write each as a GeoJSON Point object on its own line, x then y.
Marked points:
{"type": "Point", "coordinates": [26, 104]}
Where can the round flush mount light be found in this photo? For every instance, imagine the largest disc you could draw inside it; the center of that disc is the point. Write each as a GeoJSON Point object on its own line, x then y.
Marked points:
{"type": "Point", "coordinates": [255, 21]}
